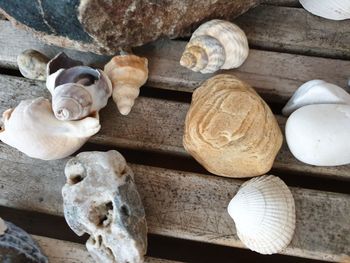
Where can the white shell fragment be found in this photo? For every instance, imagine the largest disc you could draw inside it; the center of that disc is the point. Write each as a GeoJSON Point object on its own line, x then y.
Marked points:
{"type": "Point", "coordinates": [77, 91]}
{"type": "Point", "coordinates": [316, 92]}
{"type": "Point", "coordinates": [100, 198]}
{"type": "Point", "coordinates": [215, 45]}
{"type": "Point", "coordinates": [330, 9]}
{"type": "Point", "coordinates": [3, 227]}
{"type": "Point", "coordinates": [319, 134]}
{"type": "Point", "coordinates": [264, 214]}
{"type": "Point", "coordinates": [32, 128]}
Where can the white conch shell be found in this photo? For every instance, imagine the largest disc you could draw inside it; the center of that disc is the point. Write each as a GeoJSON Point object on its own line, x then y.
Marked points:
{"type": "Point", "coordinates": [264, 213]}
{"type": "Point", "coordinates": [316, 92]}
{"type": "Point", "coordinates": [32, 128]}
{"type": "Point", "coordinates": [330, 9]}
{"type": "Point", "coordinates": [215, 45]}
{"type": "Point", "coordinates": [127, 73]}
{"type": "Point", "coordinates": [77, 91]}
{"type": "Point", "coordinates": [319, 134]}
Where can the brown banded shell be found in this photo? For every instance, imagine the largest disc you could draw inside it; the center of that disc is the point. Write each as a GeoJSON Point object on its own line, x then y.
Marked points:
{"type": "Point", "coordinates": [215, 45]}
{"type": "Point", "coordinates": [127, 73]}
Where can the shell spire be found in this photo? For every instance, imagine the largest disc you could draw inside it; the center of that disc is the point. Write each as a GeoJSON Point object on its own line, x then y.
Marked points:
{"type": "Point", "coordinates": [215, 45]}
{"type": "Point", "coordinates": [127, 73]}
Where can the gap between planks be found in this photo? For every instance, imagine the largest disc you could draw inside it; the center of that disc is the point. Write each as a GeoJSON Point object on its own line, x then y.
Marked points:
{"type": "Point", "coordinates": [59, 251]}
{"type": "Point", "coordinates": [274, 75]}
{"type": "Point", "coordinates": [162, 131]}
{"type": "Point", "coordinates": [184, 205]}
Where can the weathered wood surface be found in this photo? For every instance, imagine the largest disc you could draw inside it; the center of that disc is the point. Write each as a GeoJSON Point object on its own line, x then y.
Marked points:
{"type": "Point", "coordinates": [275, 75]}
{"type": "Point", "coordinates": [294, 3]}
{"type": "Point", "coordinates": [295, 30]}
{"type": "Point", "coordinates": [153, 124]}
{"type": "Point", "coordinates": [59, 251]}
{"type": "Point", "coordinates": [184, 205]}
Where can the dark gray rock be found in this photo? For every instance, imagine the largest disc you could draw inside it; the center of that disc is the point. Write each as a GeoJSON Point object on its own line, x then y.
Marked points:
{"type": "Point", "coordinates": [16, 246]}
{"type": "Point", "coordinates": [104, 26]}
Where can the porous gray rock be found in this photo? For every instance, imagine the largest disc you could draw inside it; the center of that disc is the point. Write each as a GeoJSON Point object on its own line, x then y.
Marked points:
{"type": "Point", "coordinates": [100, 198]}
{"type": "Point", "coordinates": [104, 26]}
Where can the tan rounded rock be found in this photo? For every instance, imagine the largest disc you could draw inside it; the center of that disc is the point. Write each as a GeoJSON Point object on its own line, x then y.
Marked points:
{"type": "Point", "coordinates": [230, 130]}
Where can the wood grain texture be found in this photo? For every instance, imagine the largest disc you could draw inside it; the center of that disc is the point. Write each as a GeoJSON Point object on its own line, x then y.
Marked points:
{"type": "Point", "coordinates": [274, 75]}
{"type": "Point", "coordinates": [59, 251]}
{"type": "Point", "coordinates": [295, 30]}
{"type": "Point", "coordinates": [293, 3]}
{"type": "Point", "coordinates": [162, 131]}
{"type": "Point", "coordinates": [184, 205]}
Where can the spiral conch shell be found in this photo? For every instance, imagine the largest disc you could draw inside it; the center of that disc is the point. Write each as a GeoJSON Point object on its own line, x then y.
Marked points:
{"type": "Point", "coordinates": [215, 45]}
{"type": "Point", "coordinates": [230, 130]}
{"type": "Point", "coordinates": [32, 128]}
{"type": "Point", "coordinates": [77, 91]}
{"type": "Point", "coordinates": [264, 214]}
{"type": "Point", "coordinates": [127, 73]}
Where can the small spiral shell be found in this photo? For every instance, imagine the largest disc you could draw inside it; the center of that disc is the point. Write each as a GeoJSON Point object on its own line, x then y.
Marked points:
{"type": "Point", "coordinates": [127, 73]}
{"type": "Point", "coordinates": [77, 91]}
{"type": "Point", "coordinates": [215, 45]}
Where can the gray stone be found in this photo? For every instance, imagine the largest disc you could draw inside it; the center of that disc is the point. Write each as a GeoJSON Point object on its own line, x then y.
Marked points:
{"type": "Point", "coordinates": [100, 198]}
{"type": "Point", "coordinates": [32, 64]}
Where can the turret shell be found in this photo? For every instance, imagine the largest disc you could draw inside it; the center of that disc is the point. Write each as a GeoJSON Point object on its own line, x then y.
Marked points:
{"type": "Point", "coordinates": [215, 45]}
{"type": "Point", "coordinates": [264, 214]}
{"type": "Point", "coordinates": [127, 73]}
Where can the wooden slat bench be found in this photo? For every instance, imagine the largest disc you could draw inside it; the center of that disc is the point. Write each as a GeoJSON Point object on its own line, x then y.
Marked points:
{"type": "Point", "coordinates": [180, 203]}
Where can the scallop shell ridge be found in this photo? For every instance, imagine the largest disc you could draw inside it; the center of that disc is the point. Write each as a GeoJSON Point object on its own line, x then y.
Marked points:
{"type": "Point", "coordinates": [264, 214]}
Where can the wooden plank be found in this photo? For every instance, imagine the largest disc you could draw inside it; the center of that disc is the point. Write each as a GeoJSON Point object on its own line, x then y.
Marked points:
{"type": "Point", "coordinates": [274, 75]}
{"type": "Point", "coordinates": [59, 251]}
{"type": "Point", "coordinates": [184, 205]}
{"type": "Point", "coordinates": [162, 131]}
{"type": "Point", "coordinates": [295, 30]}
{"type": "Point", "coordinates": [291, 3]}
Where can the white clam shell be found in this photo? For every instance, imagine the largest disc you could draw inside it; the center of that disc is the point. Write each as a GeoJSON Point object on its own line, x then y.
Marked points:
{"type": "Point", "coordinates": [330, 9]}
{"type": "Point", "coordinates": [316, 92]}
{"type": "Point", "coordinates": [264, 214]}
{"type": "Point", "coordinates": [33, 129]}
{"type": "Point", "coordinates": [319, 134]}
{"type": "Point", "coordinates": [221, 45]}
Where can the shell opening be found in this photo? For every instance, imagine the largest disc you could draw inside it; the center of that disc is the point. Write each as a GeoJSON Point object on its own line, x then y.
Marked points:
{"type": "Point", "coordinates": [194, 58]}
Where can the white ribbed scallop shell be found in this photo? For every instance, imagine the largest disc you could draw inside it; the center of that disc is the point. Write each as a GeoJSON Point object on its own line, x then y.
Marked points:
{"type": "Point", "coordinates": [330, 9]}
{"type": "Point", "coordinates": [264, 214]}
{"type": "Point", "coordinates": [224, 45]}
{"type": "Point", "coordinates": [316, 92]}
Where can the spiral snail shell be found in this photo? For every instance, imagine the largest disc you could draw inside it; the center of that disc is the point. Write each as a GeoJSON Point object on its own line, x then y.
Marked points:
{"type": "Point", "coordinates": [77, 91]}
{"type": "Point", "coordinates": [127, 73]}
{"type": "Point", "coordinates": [32, 128]}
{"type": "Point", "coordinates": [215, 45]}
